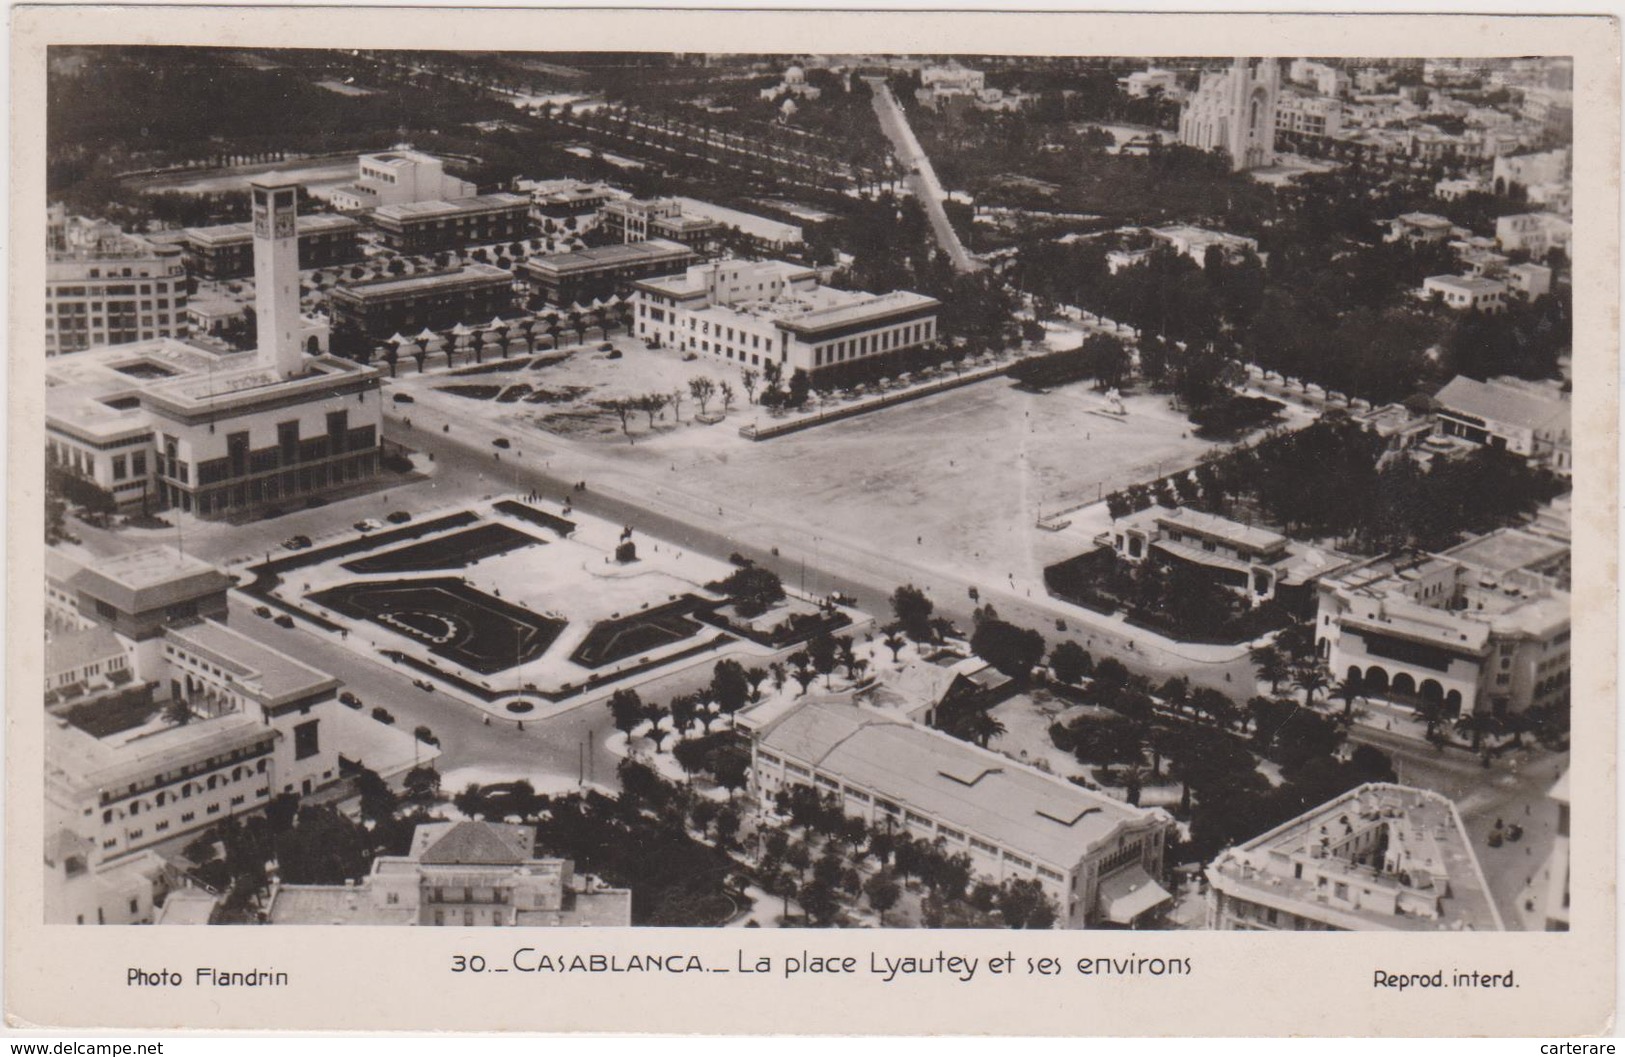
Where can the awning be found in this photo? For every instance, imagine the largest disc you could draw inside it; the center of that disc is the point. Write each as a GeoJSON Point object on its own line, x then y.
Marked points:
{"type": "Point", "coordinates": [1125, 895]}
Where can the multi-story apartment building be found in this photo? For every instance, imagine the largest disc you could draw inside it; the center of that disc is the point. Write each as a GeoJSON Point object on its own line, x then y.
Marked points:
{"type": "Point", "coordinates": [640, 219]}
{"type": "Point", "coordinates": [1534, 233]}
{"type": "Point", "coordinates": [1097, 858]}
{"type": "Point", "coordinates": [1480, 629]}
{"type": "Point", "coordinates": [1524, 418]}
{"type": "Point", "coordinates": [472, 293]}
{"type": "Point", "coordinates": [1317, 116]}
{"type": "Point", "coordinates": [103, 287]}
{"type": "Point", "coordinates": [255, 715]}
{"type": "Point", "coordinates": [460, 874]}
{"type": "Point", "coordinates": [754, 312]}
{"type": "Point", "coordinates": [399, 176]}
{"type": "Point", "coordinates": [166, 425]}
{"type": "Point", "coordinates": [222, 724]}
{"type": "Point", "coordinates": [226, 251]}
{"type": "Point", "coordinates": [1324, 78]}
{"type": "Point", "coordinates": [437, 224]}
{"type": "Point", "coordinates": [579, 277]}
{"type": "Point", "coordinates": [1380, 857]}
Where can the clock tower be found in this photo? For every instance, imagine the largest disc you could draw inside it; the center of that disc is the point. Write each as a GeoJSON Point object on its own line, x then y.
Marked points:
{"type": "Point", "coordinates": [276, 273]}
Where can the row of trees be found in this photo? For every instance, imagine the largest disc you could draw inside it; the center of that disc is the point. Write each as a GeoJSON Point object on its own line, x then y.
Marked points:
{"type": "Point", "coordinates": [820, 877]}
{"type": "Point", "coordinates": [1333, 480]}
{"type": "Point", "coordinates": [308, 844]}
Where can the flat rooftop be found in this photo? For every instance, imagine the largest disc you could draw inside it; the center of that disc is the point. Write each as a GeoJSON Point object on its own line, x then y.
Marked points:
{"type": "Point", "coordinates": [863, 310]}
{"type": "Point", "coordinates": [79, 762]}
{"type": "Point", "coordinates": [1427, 879]}
{"type": "Point", "coordinates": [312, 224]}
{"type": "Point", "coordinates": [1507, 550]}
{"type": "Point", "coordinates": [437, 208]}
{"type": "Point", "coordinates": [272, 675]}
{"type": "Point", "coordinates": [986, 794]}
{"type": "Point", "coordinates": [378, 289]}
{"type": "Point", "coordinates": [1503, 402]}
{"type": "Point", "coordinates": [622, 255]}
{"type": "Point", "coordinates": [1470, 284]}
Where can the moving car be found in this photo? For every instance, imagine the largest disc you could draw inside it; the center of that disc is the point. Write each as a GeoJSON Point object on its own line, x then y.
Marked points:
{"type": "Point", "coordinates": [423, 684]}
{"type": "Point", "coordinates": [296, 543]}
{"type": "Point", "coordinates": [283, 621]}
{"type": "Point", "coordinates": [350, 699]}
{"type": "Point", "coordinates": [403, 398]}
{"type": "Point", "coordinates": [367, 525]}
{"type": "Point", "coordinates": [262, 611]}
{"type": "Point", "coordinates": [502, 442]}
{"type": "Point", "coordinates": [399, 517]}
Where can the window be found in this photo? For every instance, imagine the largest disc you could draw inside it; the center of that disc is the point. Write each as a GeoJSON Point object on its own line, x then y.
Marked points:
{"type": "Point", "coordinates": [305, 741]}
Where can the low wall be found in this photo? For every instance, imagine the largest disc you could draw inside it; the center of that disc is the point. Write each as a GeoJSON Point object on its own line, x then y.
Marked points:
{"type": "Point", "coordinates": [779, 429]}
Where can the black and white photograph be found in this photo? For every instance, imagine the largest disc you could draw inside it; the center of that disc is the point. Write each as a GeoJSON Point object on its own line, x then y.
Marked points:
{"type": "Point", "coordinates": [889, 491]}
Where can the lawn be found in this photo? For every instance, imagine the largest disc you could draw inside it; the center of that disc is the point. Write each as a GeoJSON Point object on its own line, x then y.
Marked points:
{"type": "Point", "coordinates": [614, 640]}
{"type": "Point", "coordinates": [455, 551]}
{"type": "Point", "coordinates": [452, 619]}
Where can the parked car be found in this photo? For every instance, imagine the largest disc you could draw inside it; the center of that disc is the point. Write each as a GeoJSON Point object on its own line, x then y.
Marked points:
{"type": "Point", "coordinates": [403, 398]}
{"type": "Point", "coordinates": [841, 598]}
{"type": "Point", "coordinates": [383, 715]}
{"type": "Point", "coordinates": [606, 347]}
{"type": "Point", "coordinates": [262, 611]}
{"type": "Point", "coordinates": [367, 525]}
{"type": "Point", "coordinates": [296, 543]}
{"type": "Point", "coordinates": [423, 684]}
{"type": "Point", "coordinates": [503, 442]}
{"type": "Point", "coordinates": [350, 699]}
{"type": "Point", "coordinates": [315, 501]}
{"type": "Point", "coordinates": [399, 517]}
{"type": "Point", "coordinates": [283, 621]}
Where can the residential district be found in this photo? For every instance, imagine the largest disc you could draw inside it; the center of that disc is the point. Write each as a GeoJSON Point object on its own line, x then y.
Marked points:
{"type": "Point", "coordinates": [668, 494]}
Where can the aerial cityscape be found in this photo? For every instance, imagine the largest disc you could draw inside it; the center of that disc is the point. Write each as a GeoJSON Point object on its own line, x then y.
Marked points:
{"type": "Point", "coordinates": [631, 489]}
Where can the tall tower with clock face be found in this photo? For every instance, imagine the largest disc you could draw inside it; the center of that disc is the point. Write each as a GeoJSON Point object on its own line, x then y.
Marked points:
{"type": "Point", "coordinates": [276, 273]}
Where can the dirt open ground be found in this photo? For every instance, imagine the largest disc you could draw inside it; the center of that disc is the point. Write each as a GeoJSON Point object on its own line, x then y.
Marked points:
{"type": "Point", "coordinates": [955, 480]}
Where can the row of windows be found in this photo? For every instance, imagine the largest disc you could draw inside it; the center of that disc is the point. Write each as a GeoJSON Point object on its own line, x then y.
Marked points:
{"type": "Point", "coordinates": [163, 797]}
{"type": "Point", "coordinates": [856, 348]}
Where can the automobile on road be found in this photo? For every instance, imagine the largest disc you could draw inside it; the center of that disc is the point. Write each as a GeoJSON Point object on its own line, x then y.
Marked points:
{"type": "Point", "coordinates": [367, 525]}
{"type": "Point", "coordinates": [283, 621]}
{"type": "Point", "coordinates": [399, 517]}
{"type": "Point", "coordinates": [262, 611]}
{"type": "Point", "coordinates": [296, 543]}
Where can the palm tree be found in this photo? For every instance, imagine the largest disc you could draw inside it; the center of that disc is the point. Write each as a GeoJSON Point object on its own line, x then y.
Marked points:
{"type": "Point", "coordinates": [1271, 664]}
{"type": "Point", "coordinates": [1349, 689]}
{"type": "Point", "coordinates": [1474, 725]}
{"type": "Point", "coordinates": [894, 640]}
{"type": "Point", "coordinates": [1311, 679]}
{"type": "Point", "coordinates": [979, 725]}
